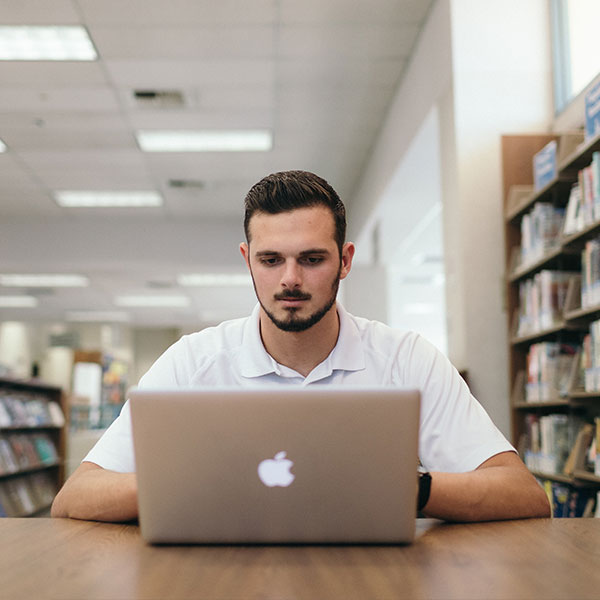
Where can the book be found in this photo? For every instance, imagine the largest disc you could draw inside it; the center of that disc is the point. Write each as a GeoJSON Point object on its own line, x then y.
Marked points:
{"type": "Point", "coordinates": [8, 458]}
{"type": "Point", "coordinates": [45, 449]}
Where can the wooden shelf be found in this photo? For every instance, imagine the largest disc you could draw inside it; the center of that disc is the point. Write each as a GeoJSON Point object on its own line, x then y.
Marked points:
{"type": "Point", "coordinates": [534, 405]}
{"type": "Point", "coordinates": [539, 335]}
{"type": "Point", "coordinates": [576, 241]}
{"type": "Point", "coordinates": [581, 313]}
{"type": "Point", "coordinates": [557, 185]}
{"type": "Point", "coordinates": [522, 271]}
{"type": "Point", "coordinates": [586, 476]}
{"type": "Point", "coordinates": [518, 152]}
{"type": "Point", "coordinates": [39, 480]}
{"type": "Point", "coordinates": [580, 157]}
{"type": "Point", "coordinates": [554, 477]}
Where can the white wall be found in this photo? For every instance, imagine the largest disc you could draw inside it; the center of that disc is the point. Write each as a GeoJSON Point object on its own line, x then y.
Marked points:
{"type": "Point", "coordinates": [501, 84]}
{"type": "Point", "coordinates": [486, 66]}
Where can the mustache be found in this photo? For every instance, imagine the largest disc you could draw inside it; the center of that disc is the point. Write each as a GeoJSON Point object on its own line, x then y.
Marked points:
{"type": "Point", "coordinates": [295, 294]}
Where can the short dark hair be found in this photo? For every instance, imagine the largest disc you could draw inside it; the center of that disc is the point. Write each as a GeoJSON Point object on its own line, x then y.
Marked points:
{"type": "Point", "coordinates": [288, 190]}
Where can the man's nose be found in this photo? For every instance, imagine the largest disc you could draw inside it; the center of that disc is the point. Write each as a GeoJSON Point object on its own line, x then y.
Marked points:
{"type": "Point", "coordinates": [292, 276]}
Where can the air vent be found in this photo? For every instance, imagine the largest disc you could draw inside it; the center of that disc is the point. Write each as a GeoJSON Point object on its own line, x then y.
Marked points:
{"type": "Point", "coordinates": [186, 183]}
{"type": "Point", "coordinates": [40, 291]}
{"type": "Point", "coordinates": [69, 339]}
{"type": "Point", "coordinates": [159, 285]}
{"type": "Point", "coordinates": [159, 98]}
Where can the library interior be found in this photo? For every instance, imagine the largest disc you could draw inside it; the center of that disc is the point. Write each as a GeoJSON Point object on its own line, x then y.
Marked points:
{"type": "Point", "coordinates": [463, 137]}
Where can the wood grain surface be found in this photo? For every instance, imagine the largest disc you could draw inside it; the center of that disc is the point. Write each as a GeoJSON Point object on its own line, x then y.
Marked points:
{"type": "Point", "coordinates": [541, 558]}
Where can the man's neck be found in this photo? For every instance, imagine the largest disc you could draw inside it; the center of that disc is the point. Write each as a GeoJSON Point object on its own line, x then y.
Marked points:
{"type": "Point", "coordinates": [301, 351]}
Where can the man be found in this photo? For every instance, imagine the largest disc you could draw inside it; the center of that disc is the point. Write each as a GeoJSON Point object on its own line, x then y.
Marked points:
{"type": "Point", "coordinates": [296, 252]}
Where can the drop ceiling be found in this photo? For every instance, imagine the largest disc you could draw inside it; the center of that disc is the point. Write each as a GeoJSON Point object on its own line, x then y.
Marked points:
{"type": "Point", "coordinates": [318, 74]}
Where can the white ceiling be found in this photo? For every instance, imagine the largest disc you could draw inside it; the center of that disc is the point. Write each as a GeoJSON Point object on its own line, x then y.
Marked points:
{"type": "Point", "coordinates": [319, 74]}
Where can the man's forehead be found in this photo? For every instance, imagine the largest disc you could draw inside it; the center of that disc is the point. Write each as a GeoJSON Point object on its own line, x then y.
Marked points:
{"type": "Point", "coordinates": [319, 213]}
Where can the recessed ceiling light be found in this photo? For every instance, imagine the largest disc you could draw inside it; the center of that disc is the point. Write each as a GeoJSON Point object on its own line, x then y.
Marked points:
{"type": "Point", "coordinates": [68, 42]}
{"type": "Point", "coordinates": [18, 301]}
{"type": "Point", "coordinates": [205, 141]}
{"type": "Point", "coordinates": [2, 146]}
{"type": "Point", "coordinates": [107, 199]}
{"type": "Point", "coordinates": [97, 316]}
{"type": "Point", "coordinates": [43, 280]}
{"type": "Point", "coordinates": [152, 301]}
{"type": "Point", "coordinates": [214, 279]}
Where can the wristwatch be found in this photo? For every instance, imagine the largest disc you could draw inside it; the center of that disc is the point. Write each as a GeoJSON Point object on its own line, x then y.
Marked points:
{"type": "Point", "coordinates": [424, 489]}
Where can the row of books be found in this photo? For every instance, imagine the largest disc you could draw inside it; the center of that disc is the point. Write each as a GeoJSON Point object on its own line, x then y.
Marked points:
{"type": "Point", "coordinates": [20, 452]}
{"type": "Point", "coordinates": [590, 358]}
{"type": "Point", "coordinates": [548, 441]}
{"type": "Point", "coordinates": [583, 207]}
{"type": "Point", "coordinates": [26, 495]}
{"type": "Point", "coordinates": [540, 231]}
{"type": "Point", "coordinates": [590, 274]}
{"type": "Point", "coordinates": [589, 438]}
{"type": "Point", "coordinates": [567, 501]}
{"type": "Point", "coordinates": [549, 368]}
{"type": "Point", "coordinates": [542, 300]}
{"type": "Point", "coordinates": [28, 409]}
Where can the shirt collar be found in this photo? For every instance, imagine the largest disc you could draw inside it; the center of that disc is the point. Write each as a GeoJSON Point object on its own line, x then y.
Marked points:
{"type": "Point", "coordinates": [347, 355]}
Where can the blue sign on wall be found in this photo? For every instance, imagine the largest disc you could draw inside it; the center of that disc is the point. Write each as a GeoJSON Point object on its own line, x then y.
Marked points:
{"type": "Point", "coordinates": [592, 112]}
{"type": "Point", "coordinates": [544, 165]}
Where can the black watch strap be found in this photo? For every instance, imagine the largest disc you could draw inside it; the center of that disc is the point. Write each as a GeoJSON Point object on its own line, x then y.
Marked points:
{"type": "Point", "coordinates": [424, 490]}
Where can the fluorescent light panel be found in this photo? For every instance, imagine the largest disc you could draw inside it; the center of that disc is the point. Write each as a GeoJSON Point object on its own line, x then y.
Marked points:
{"type": "Point", "coordinates": [107, 199]}
{"type": "Point", "coordinates": [43, 280]}
{"type": "Point", "coordinates": [214, 279]}
{"type": "Point", "coordinates": [97, 316]}
{"type": "Point", "coordinates": [2, 146]}
{"type": "Point", "coordinates": [152, 301]}
{"type": "Point", "coordinates": [259, 140]}
{"type": "Point", "coordinates": [62, 42]}
{"type": "Point", "coordinates": [18, 301]}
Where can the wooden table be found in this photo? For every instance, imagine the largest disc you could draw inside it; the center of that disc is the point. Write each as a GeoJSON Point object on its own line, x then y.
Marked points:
{"type": "Point", "coordinates": [542, 558]}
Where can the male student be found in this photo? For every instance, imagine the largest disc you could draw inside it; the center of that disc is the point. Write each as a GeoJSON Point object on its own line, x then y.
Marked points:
{"type": "Point", "coordinates": [298, 335]}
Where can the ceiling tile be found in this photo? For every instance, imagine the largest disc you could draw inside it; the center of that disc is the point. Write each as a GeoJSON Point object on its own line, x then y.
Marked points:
{"type": "Point", "coordinates": [183, 42]}
{"type": "Point", "coordinates": [178, 12]}
{"type": "Point", "coordinates": [51, 74]}
{"type": "Point", "coordinates": [49, 99]}
{"type": "Point", "coordinates": [354, 11]}
{"type": "Point", "coordinates": [352, 41]}
{"type": "Point", "coordinates": [39, 12]}
{"type": "Point", "coordinates": [164, 74]}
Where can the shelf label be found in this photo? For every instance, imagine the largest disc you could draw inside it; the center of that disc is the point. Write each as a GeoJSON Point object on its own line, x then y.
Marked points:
{"type": "Point", "coordinates": [544, 165]}
{"type": "Point", "coordinates": [592, 112]}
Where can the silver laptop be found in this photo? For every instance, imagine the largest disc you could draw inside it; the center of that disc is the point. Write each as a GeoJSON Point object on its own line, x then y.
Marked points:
{"type": "Point", "coordinates": [278, 465]}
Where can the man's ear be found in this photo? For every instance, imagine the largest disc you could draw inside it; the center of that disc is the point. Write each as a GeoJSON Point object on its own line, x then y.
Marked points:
{"type": "Point", "coordinates": [348, 250]}
{"type": "Point", "coordinates": [245, 251]}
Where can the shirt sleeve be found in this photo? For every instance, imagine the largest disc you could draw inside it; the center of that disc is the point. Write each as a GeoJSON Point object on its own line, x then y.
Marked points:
{"type": "Point", "coordinates": [456, 433]}
{"type": "Point", "coordinates": [114, 450]}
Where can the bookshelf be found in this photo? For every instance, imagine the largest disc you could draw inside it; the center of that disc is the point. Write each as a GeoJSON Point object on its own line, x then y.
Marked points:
{"type": "Point", "coordinates": [552, 307]}
{"type": "Point", "coordinates": [32, 446]}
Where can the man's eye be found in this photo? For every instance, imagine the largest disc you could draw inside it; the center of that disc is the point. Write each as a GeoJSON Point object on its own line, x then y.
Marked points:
{"type": "Point", "coordinates": [313, 260]}
{"type": "Point", "coordinates": [269, 262]}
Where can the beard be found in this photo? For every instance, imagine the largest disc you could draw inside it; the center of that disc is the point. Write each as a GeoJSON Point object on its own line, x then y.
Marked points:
{"type": "Point", "coordinates": [293, 323]}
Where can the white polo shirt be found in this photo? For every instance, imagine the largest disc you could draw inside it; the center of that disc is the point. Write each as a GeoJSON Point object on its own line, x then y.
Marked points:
{"type": "Point", "coordinates": [456, 434]}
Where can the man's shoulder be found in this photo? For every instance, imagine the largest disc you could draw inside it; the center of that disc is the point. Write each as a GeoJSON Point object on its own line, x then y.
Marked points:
{"type": "Point", "coordinates": [374, 331]}
{"type": "Point", "coordinates": [227, 335]}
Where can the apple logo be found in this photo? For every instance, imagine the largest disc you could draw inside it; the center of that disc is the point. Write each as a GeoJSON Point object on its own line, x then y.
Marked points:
{"type": "Point", "coordinates": [276, 471]}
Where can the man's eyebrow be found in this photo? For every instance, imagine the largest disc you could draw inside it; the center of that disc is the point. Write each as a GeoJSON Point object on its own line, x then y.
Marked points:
{"type": "Point", "coordinates": [261, 253]}
{"type": "Point", "coordinates": [314, 251]}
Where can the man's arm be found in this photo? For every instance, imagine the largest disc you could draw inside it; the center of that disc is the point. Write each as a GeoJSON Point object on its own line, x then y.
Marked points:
{"type": "Point", "coordinates": [500, 488]}
{"type": "Point", "coordinates": [97, 494]}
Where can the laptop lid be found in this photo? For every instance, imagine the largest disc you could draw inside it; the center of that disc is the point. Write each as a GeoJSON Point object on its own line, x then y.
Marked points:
{"type": "Point", "coordinates": [285, 464]}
